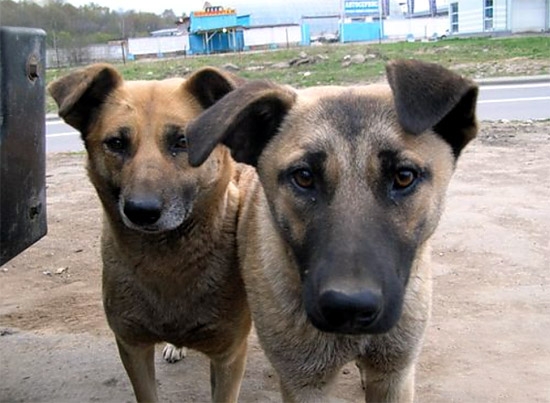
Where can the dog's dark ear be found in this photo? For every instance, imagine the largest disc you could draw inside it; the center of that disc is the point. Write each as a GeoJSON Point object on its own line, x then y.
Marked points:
{"type": "Point", "coordinates": [209, 84]}
{"type": "Point", "coordinates": [80, 95]}
{"type": "Point", "coordinates": [429, 96]}
{"type": "Point", "coordinates": [244, 120]}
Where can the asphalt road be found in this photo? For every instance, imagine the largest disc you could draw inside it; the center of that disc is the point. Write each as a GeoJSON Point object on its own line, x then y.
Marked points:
{"type": "Point", "coordinates": [513, 101]}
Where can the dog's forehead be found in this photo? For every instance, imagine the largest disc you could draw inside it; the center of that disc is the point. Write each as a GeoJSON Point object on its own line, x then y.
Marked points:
{"type": "Point", "coordinates": [145, 94]}
{"type": "Point", "coordinates": [135, 102]}
{"type": "Point", "coordinates": [347, 108]}
{"type": "Point", "coordinates": [357, 116]}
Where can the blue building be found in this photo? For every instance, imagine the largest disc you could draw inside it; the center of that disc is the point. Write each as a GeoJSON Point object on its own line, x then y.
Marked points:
{"type": "Point", "coordinates": [363, 21]}
{"type": "Point", "coordinates": [216, 30]}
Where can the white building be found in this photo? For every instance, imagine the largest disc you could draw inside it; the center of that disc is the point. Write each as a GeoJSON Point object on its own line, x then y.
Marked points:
{"type": "Point", "coordinates": [272, 36]}
{"type": "Point", "coordinates": [419, 28]}
{"type": "Point", "coordinates": [479, 16]}
{"type": "Point", "coordinates": [157, 45]}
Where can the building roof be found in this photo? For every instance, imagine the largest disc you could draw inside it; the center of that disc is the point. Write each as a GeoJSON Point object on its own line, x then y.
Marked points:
{"type": "Point", "coordinates": [272, 26]}
{"type": "Point", "coordinates": [167, 32]}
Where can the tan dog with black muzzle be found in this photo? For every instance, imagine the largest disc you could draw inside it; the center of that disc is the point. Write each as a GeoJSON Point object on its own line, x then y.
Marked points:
{"type": "Point", "coordinates": [170, 270]}
{"type": "Point", "coordinates": [334, 231]}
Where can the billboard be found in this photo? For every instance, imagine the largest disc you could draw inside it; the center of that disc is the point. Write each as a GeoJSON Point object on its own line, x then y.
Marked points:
{"type": "Point", "coordinates": [355, 8]}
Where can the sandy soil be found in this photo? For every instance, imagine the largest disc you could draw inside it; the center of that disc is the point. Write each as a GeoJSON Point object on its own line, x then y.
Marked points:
{"type": "Point", "coordinates": [487, 342]}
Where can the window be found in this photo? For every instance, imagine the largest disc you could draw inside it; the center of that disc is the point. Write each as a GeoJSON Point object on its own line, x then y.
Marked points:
{"type": "Point", "coordinates": [454, 17]}
{"type": "Point", "coordinates": [488, 15]}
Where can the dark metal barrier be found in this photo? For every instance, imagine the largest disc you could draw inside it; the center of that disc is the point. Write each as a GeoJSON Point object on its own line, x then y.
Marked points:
{"type": "Point", "coordinates": [22, 140]}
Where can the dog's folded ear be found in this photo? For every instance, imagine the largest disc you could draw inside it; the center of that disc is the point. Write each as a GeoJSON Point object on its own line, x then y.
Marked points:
{"type": "Point", "coordinates": [429, 96]}
{"type": "Point", "coordinates": [244, 120]}
{"type": "Point", "coordinates": [209, 84]}
{"type": "Point", "coordinates": [81, 94]}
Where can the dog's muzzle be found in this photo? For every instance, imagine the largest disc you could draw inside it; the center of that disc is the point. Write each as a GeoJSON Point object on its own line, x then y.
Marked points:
{"type": "Point", "coordinates": [340, 312]}
{"type": "Point", "coordinates": [151, 213]}
{"type": "Point", "coordinates": [143, 212]}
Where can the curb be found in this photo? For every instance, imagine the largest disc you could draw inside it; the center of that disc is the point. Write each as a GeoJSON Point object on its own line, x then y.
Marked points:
{"type": "Point", "coordinates": [52, 116]}
{"type": "Point", "coordinates": [513, 80]}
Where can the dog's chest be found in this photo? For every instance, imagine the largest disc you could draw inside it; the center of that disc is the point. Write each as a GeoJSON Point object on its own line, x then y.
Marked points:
{"type": "Point", "coordinates": [176, 311]}
{"type": "Point", "coordinates": [172, 294]}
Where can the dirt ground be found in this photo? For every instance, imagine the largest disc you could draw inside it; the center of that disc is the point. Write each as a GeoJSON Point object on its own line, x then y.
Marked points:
{"type": "Point", "coordinates": [488, 340]}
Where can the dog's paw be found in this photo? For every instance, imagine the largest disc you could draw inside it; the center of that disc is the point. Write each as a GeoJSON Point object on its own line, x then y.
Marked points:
{"type": "Point", "coordinates": [173, 354]}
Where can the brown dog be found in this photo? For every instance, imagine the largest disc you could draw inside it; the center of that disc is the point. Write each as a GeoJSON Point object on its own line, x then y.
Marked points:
{"type": "Point", "coordinates": [334, 231]}
{"type": "Point", "coordinates": [170, 269]}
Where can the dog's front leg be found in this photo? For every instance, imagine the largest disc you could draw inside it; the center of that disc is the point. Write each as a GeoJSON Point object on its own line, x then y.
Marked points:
{"type": "Point", "coordinates": [395, 386]}
{"type": "Point", "coordinates": [226, 375]}
{"type": "Point", "coordinates": [139, 362]}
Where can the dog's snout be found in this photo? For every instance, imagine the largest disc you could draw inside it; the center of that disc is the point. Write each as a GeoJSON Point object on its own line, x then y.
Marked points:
{"type": "Point", "coordinates": [353, 312]}
{"type": "Point", "coordinates": [143, 211]}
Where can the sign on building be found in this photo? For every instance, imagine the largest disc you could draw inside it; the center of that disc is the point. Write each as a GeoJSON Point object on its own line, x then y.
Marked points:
{"type": "Point", "coordinates": [354, 8]}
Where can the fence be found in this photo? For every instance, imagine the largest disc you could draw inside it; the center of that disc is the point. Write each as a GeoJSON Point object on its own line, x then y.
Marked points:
{"type": "Point", "coordinates": [76, 56]}
{"type": "Point", "coordinates": [117, 51]}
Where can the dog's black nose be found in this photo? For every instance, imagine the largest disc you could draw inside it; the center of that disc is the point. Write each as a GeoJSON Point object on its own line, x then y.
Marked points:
{"type": "Point", "coordinates": [350, 311]}
{"type": "Point", "coordinates": [143, 212]}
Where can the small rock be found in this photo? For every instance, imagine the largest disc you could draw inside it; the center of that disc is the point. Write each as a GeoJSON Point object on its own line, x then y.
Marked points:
{"type": "Point", "coordinates": [254, 68]}
{"type": "Point", "coordinates": [347, 57]}
{"type": "Point", "coordinates": [292, 62]}
{"type": "Point", "coordinates": [47, 273]}
{"type": "Point", "coordinates": [301, 62]}
{"type": "Point", "coordinates": [357, 59]}
{"type": "Point", "coordinates": [7, 332]}
{"type": "Point", "coordinates": [302, 55]}
{"type": "Point", "coordinates": [346, 63]}
{"type": "Point", "coordinates": [281, 65]}
{"type": "Point", "coordinates": [61, 270]}
{"type": "Point", "coordinates": [5, 270]}
{"type": "Point", "coordinates": [231, 67]}
{"type": "Point", "coordinates": [307, 73]}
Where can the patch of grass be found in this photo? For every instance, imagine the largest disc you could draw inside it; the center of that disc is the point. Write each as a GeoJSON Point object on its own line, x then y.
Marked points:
{"type": "Point", "coordinates": [463, 55]}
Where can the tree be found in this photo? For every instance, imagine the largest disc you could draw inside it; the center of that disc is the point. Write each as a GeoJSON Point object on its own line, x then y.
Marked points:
{"type": "Point", "coordinates": [85, 24]}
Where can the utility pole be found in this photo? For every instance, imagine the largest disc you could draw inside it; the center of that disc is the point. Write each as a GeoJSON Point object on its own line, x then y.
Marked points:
{"type": "Point", "coordinates": [380, 21]}
{"type": "Point", "coordinates": [342, 19]}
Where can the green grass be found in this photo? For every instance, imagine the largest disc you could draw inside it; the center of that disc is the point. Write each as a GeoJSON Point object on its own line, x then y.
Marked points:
{"type": "Point", "coordinates": [463, 55]}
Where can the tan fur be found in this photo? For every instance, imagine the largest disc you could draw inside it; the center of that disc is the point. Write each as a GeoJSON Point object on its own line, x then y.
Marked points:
{"type": "Point", "coordinates": [176, 279]}
{"type": "Point", "coordinates": [352, 229]}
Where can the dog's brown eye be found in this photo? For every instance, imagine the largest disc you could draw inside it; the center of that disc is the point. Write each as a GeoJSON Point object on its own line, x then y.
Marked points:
{"type": "Point", "coordinates": [116, 144]}
{"type": "Point", "coordinates": [303, 178]}
{"type": "Point", "coordinates": [404, 178]}
{"type": "Point", "coordinates": [181, 143]}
